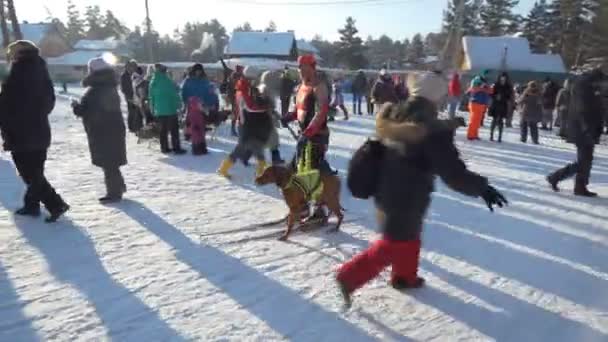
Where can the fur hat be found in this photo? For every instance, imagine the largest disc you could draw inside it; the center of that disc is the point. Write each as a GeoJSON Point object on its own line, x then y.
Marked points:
{"type": "Point", "coordinates": [98, 64]}
{"type": "Point", "coordinates": [20, 48]}
{"type": "Point", "coordinates": [429, 85]}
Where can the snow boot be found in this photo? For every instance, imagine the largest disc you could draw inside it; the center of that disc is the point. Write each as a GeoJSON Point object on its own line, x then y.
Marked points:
{"type": "Point", "coordinates": [28, 211]}
{"type": "Point", "coordinates": [582, 191]}
{"type": "Point", "coordinates": [108, 199]}
{"type": "Point", "coordinates": [551, 179]}
{"type": "Point", "coordinates": [401, 284]}
{"type": "Point", "coordinates": [179, 151]}
{"type": "Point", "coordinates": [225, 167]}
{"type": "Point", "coordinates": [260, 167]}
{"type": "Point", "coordinates": [56, 214]}
{"type": "Point", "coordinates": [345, 294]}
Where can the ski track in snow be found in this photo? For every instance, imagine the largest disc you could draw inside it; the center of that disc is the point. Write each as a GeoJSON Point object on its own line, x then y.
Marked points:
{"type": "Point", "coordinates": [163, 266]}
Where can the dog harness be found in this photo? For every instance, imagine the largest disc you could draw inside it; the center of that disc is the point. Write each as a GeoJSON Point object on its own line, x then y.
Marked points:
{"type": "Point", "coordinates": [307, 179]}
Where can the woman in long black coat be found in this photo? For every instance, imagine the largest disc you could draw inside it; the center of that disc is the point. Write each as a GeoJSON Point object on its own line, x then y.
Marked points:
{"type": "Point", "coordinates": [26, 100]}
{"type": "Point", "coordinates": [100, 111]}
{"type": "Point", "coordinates": [502, 95]}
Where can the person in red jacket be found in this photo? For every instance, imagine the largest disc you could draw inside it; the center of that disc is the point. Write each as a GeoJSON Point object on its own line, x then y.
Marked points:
{"type": "Point", "coordinates": [454, 95]}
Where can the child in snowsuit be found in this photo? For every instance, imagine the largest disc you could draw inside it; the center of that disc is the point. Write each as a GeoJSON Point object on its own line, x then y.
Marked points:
{"type": "Point", "coordinates": [196, 118]}
{"type": "Point", "coordinates": [417, 148]}
{"type": "Point", "coordinates": [531, 110]}
{"type": "Point", "coordinates": [478, 104]}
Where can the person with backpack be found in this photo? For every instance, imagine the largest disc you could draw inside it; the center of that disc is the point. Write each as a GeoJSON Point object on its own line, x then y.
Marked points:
{"type": "Point", "coordinates": [413, 148]}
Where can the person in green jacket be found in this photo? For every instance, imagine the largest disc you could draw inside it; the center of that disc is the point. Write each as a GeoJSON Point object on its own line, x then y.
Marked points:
{"type": "Point", "coordinates": [165, 103]}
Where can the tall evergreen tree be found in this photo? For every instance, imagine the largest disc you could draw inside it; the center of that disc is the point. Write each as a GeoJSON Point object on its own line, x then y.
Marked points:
{"type": "Point", "coordinates": [350, 46]}
{"type": "Point", "coordinates": [575, 21]}
{"type": "Point", "coordinates": [112, 27]}
{"type": "Point", "coordinates": [272, 27]}
{"type": "Point", "coordinates": [94, 22]}
{"type": "Point", "coordinates": [327, 51]}
{"type": "Point", "coordinates": [470, 24]}
{"type": "Point", "coordinates": [246, 27]}
{"type": "Point", "coordinates": [598, 42]}
{"type": "Point", "coordinates": [536, 27]}
{"type": "Point", "coordinates": [75, 24]}
{"type": "Point", "coordinates": [416, 50]}
{"type": "Point", "coordinates": [497, 17]}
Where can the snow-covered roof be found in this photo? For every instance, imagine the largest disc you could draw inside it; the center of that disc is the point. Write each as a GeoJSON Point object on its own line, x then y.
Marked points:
{"type": "Point", "coordinates": [260, 43]}
{"type": "Point", "coordinates": [259, 63]}
{"type": "Point", "coordinates": [76, 58]}
{"type": "Point", "coordinates": [105, 44]}
{"type": "Point", "coordinates": [32, 32]}
{"type": "Point", "coordinates": [490, 53]}
{"type": "Point", "coordinates": [306, 46]}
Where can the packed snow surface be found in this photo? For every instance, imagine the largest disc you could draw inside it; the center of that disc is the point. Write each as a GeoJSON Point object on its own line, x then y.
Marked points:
{"type": "Point", "coordinates": [173, 263]}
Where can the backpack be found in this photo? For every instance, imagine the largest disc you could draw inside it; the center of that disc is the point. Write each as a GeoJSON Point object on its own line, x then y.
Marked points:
{"type": "Point", "coordinates": [364, 169]}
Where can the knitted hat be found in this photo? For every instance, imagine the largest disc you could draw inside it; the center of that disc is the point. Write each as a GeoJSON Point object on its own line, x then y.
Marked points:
{"type": "Point", "coordinates": [97, 64]}
{"type": "Point", "coordinates": [307, 60]}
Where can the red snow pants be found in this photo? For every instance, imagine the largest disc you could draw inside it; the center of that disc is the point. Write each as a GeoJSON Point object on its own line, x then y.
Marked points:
{"type": "Point", "coordinates": [477, 112]}
{"type": "Point", "coordinates": [403, 256]}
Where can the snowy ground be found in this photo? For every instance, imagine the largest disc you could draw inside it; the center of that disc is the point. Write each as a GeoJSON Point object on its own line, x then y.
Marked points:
{"type": "Point", "coordinates": [163, 266]}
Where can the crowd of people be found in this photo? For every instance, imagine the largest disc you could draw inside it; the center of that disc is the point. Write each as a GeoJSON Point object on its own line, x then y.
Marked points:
{"type": "Point", "coordinates": [413, 142]}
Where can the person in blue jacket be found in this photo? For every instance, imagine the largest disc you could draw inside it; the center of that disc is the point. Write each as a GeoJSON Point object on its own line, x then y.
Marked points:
{"type": "Point", "coordinates": [197, 84]}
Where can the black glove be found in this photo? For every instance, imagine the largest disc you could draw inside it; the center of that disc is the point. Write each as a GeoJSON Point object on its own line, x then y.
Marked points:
{"type": "Point", "coordinates": [460, 120]}
{"type": "Point", "coordinates": [493, 197]}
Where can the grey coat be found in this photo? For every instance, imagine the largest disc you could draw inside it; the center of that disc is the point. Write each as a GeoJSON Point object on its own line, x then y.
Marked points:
{"type": "Point", "coordinates": [531, 107]}
{"type": "Point", "coordinates": [103, 122]}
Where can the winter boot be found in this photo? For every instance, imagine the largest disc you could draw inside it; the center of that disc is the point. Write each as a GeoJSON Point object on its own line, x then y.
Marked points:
{"type": "Point", "coordinates": [225, 167]}
{"type": "Point", "coordinates": [500, 134]}
{"type": "Point", "coordinates": [492, 134]}
{"type": "Point", "coordinates": [402, 284]}
{"type": "Point", "coordinates": [29, 211]}
{"type": "Point", "coordinates": [552, 180]}
{"type": "Point", "coordinates": [56, 214]}
{"type": "Point", "coordinates": [276, 157]}
{"type": "Point", "coordinates": [345, 294]}
{"type": "Point", "coordinates": [179, 151]}
{"type": "Point", "coordinates": [108, 199]}
{"type": "Point", "coordinates": [581, 190]}
{"type": "Point", "coordinates": [260, 168]}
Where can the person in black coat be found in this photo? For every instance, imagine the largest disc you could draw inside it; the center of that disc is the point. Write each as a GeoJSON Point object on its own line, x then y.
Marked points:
{"type": "Point", "coordinates": [286, 91]}
{"type": "Point", "coordinates": [584, 128]}
{"type": "Point", "coordinates": [134, 117]}
{"type": "Point", "coordinates": [417, 148]}
{"type": "Point", "coordinates": [26, 100]}
{"type": "Point", "coordinates": [359, 88]}
{"type": "Point", "coordinates": [502, 95]}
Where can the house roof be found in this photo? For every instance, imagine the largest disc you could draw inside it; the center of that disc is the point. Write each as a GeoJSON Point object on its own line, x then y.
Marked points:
{"type": "Point", "coordinates": [76, 58]}
{"type": "Point", "coordinates": [306, 46]}
{"type": "Point", "coordinates": [105, 44]}
{"type": "Point", "coordinates": [260, 43]}
{"type": "Point", "coordinates": [490, 53]}
{"type": "Point", "coordinates": [32, 32]}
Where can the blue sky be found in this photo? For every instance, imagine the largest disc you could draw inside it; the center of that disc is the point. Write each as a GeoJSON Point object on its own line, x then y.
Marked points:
{"type": "Point", "coordinates": [397, 18]}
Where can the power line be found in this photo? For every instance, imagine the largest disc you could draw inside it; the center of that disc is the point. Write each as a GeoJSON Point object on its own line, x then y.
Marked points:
{"type": "Point", "coordinates": [320, 3]}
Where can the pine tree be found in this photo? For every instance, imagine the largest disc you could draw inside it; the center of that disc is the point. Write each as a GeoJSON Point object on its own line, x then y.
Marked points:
{"type": "Point", "coordinates": [575, 20]}
{"type": "Point", "coordinates": [350, 46]}
{"type": "Point", "coordinates": [272, 27]}
{"type": "Point", "coordinates": [497, 17]}
{"type": "Point", "coordinates": [112, 27]}
{"type": "Point", "coordinates": [470, 24]}
{"type": "Point", "coordinates": [536, 26]}
{"type": "Point", "coordinates": [246, 27]}
{"type": "Point", "coordinates": [416, 51]}
{"type": "Point", "coordinates": [599, 31]}
{"type": "Point", "coordinates": [94, 21]}
{"type": "Point", "coordinates": [405, 49]}
{"type": "Point", "coordinates": [75, 25]}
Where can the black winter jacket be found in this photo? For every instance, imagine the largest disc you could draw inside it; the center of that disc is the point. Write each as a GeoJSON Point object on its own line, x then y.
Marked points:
{"type": "Point", "coordinates": [126, 86]}
{"type": "Point", "coordinates": [26, 100]}
{"type": "Point", "coordinates": [502, 95]}
{"type": "Point", "coordinates": [586, 108]}
{"type": "Point", "coordinates": [418, 150]}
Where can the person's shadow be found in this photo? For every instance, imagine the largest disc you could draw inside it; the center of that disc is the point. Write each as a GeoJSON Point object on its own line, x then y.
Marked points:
{"type": "Point", "coordinates": [14, 324]}
{"type": "Point", "coordinates": [73, 260]}
{"type": "Point", "coordinates": [284, 310]}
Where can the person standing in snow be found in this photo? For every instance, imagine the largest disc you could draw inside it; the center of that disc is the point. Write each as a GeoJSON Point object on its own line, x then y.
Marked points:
{"type": "Point", "coordinates": [26, 100]}
{"type": "Point", "coordinates": [134, 118]}
{"type": "Point", "coordinates": [531, 111]}
{"type": "Point", "coordinates": [287, 86]}
{"type": "Point", "coordinates": [338, 99]}
{"type": "Point", "coordinates": [140, 95]}
{"type": "Point", "coordinates": [454, 95]}
{"type": "Point", "coordinates": [549, 94]}
{"type": "Point", "coordinates": [383, 90]}
{"type": "Point", "coordinates": [229, 87]}
{"type": "Point", "coordinates": [416, 147]}
{"type": "Point", "coordinates": [100, 111]}
{"type": "Point", "coordinates": [502, 94]}
{"type": "Point", "coordinates": [369, 99]}
{"type": "Point", "coordinates": [585, 126]}
{"type": "Point", "coordinates": [479, 98]}
{"type": "Point", "coordinates": [401, 89]}
{"type": "Point", "coordinates": [359, 88]}
{"type": "Point", "coordinates": [561, 107]}
{"type": "Point", "coordinates": [197, 85]}
{"type": "Point", "coordinates": [166, 103]}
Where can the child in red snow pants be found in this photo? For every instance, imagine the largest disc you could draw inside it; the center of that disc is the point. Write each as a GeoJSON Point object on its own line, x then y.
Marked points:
{"type": "Point", "coordinates": [403, 256]}
{"type": "Point", "coordinates": [477, 112]}
{"type": "Point", "coordinates": [196, 126]}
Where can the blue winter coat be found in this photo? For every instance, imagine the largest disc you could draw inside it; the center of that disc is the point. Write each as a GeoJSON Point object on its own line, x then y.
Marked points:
{"type": "Point", "coordinates": [201, 88]}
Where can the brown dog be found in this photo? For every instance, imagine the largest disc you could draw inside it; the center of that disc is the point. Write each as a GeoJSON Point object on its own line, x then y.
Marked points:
{"type": "Point", "coordinates": [297, 200]}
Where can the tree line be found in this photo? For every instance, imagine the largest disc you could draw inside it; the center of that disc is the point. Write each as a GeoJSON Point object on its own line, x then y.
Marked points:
{"type": "Point", "coordinates": [577, 29]}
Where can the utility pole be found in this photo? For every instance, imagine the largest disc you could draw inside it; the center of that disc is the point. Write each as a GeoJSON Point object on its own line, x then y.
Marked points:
{"type": "Point", "coordinates": [148, 39]}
